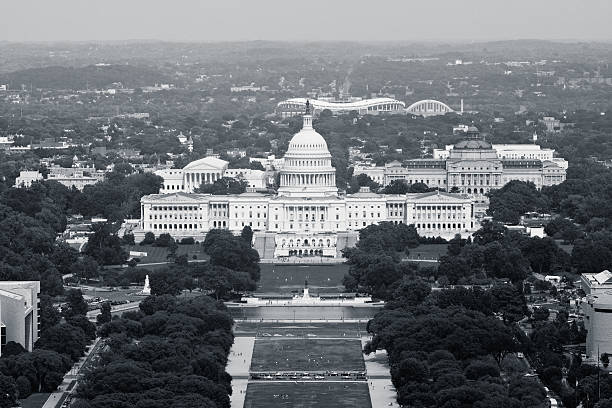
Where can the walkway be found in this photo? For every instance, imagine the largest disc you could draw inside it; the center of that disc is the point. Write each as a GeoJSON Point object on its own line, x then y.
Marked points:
{"type": "Point", "coordinates": [382, 391]}
{"type": "Point", "coordinates": [238, 364]}
{"type": "Point", "coordinates": [71, 376]}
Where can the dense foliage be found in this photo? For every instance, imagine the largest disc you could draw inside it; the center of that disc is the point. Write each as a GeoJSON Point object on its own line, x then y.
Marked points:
{"type": "Point", "coordinates": [447, 348]}
{"type": "Point", "coordinates": [171, 353]}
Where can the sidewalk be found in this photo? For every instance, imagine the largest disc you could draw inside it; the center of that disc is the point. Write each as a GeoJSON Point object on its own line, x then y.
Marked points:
{"type": "Point", "coordinates": [382, 391]}
{"type": "Point", "coordinates": [70, 376]}
{"type": "Point", "coordinates": [238, 364]}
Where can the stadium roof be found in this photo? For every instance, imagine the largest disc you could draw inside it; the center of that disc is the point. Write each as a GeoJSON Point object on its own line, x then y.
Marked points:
{"type": "Point", "coordinates": [355, 105]}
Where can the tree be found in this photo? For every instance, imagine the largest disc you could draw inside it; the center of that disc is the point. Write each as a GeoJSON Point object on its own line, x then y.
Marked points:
{"type": "Point", "coordinates": [85, 268]}
{"type": "Point", "coordinates": [149, 239]}
{"type": "Point", "coordinates": [49, 315]}
{"type": "Point", "coordinates": [247, 234]}
{"type": "Point", "coordinates": [165, 282]}
{"type": "Point", "coordinates": [605, 359]}
{"type": "Point", "coordinates": [396, 187]}
{"type": "Point", "coordinates": [410, 292]}
{"type": "Point", "coordinates": [223, 186]}
{"type": "Point", "coordinates": [105, 246]}
{"type": "Point", "coordinates": [515, 199]}
{"type": "Point", "coordinates": [509, 303]}
{"type": "Point", "coordinates": [232, 252]}
{"type": "Point", "coordinates": [8, 392]}
{"type": "Point", "coordinates": [76, 305]}
{"type": "Point", "coordinates": [105, 314]}
{"type": "Point", "coordinates": [64, 338]}
{"type": "Point", "coordinates": [164, 240]}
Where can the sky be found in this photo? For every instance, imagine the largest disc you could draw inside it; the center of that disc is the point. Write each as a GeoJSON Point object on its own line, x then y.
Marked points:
{"type": "Point", "coordinates": [317, 20]}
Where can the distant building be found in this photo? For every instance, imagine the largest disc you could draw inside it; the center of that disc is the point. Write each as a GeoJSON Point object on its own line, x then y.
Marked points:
{"type": "Point", "coordinates": [19, 313]}
{"type": "Point", "coordinates": [50, 143]}
{"type": "Point", "coordinates": [26, 178]}
{"type": "Point", "coordinates": [552, 124]}
{"type": "Point", "coordinates": [375, 106]}
{"type": "Point", "coordinates": [598, 313]}
{"type": "Point", "coordinates": [474, 166]}
{"type": "Point", "coordinates": [429, 107]}
{"type": "Point", "coordinates": [6, 142]}
{"type": "Point", "coordinates": [203, 171]}
{"type": "Point", "coordinates": [255, 179]}
{"type": "Point", "coordinates": [308, 216]}
{"type": "Point", "coordinates": [76, 179]}
{"type": "Point", "coordinates": [245, 88]}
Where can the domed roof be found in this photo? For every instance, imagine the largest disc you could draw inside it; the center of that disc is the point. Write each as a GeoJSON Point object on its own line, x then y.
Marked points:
{"type": "Point", "coordinates": [473, 144]}
{"type": "Point", "coordinates": [307, 140]}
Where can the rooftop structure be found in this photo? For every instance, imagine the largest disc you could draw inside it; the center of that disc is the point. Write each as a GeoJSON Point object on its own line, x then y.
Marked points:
{"type": "Point", "coordinates": [375, 106]}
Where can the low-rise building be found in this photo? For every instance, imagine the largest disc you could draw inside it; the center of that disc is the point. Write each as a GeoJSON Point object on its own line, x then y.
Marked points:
{"type": "Point", "coordinates": [26, 178]}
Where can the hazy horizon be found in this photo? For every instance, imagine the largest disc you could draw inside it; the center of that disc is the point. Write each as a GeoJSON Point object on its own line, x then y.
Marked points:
{"type": "Point", "coordinates": [313, 20]}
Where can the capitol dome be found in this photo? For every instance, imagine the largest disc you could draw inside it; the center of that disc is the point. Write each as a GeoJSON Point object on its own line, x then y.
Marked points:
{"type": "Point", "coordinates": [307, 141]}
{"type": "Point", "coordinates": [307, 170]}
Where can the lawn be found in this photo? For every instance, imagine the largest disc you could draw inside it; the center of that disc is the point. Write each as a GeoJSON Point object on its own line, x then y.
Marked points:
{"type": "Point", "coordinates": [287, 278]}
{"type": "Point", "coordinates": [307, 395]}
{"type": "Point", "coordinates": [428, 251]}
{"type": "Point", "coordinates": [282, 354]}
{"type": "Point", "coordinates": [36, 400]}
{"type": "Point", "coordinates": [159, 254]}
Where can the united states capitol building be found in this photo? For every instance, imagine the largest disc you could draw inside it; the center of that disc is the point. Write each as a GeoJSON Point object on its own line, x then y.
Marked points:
{"type": "Point", "coordinates": [307, 216]}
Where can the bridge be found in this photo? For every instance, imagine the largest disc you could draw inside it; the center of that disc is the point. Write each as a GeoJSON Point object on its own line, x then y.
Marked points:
{"type": "Point", "coordinates": [429, 107]}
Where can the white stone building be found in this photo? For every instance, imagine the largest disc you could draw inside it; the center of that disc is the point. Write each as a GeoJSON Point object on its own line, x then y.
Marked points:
{"type": "Point", "coordinates": [474, 166]}
{"type": "Point", "coordinates": [307, 216]}
{"type": "Point", "coordinates": [598, 313]}
{"type": "Point", "coordinates": [26, 178]}
{"type": "Point", "coordinates": [19, 313]}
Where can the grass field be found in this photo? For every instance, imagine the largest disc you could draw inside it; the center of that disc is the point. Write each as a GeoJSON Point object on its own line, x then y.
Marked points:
{"type": "Point", "coordinates": [36, 400]}
{"type": "Point", "coordinates": [287, 278]}
{"type": "Point", "coordinates": [354, 330]}
{"type": "Point", "coordinates": [159, 254]}
{"type": "Point", "coordinates": [307, 355]}
{"type": "Point", "coordinates": [428, 251]}
{"type": "Point", "coordinates": [307, 395]}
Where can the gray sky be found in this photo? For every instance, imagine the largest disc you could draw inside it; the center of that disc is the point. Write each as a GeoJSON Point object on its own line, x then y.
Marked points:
{"type": "Point", "coordinates": [377, 20]}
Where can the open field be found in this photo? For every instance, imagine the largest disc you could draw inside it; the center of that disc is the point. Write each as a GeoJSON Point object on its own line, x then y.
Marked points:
{"type": "Point", "coordinates": [307, 355]}
{"type": "Point", "coordinates": [279, 278]}
{"type": "Point", "coordinates": [427, 252]}
{"type": "Point", "coordinates": [307, 395]}
{"type": "Point", "coordinates": [348, 330]}
{"type": "Point", "coordinates": [35, 400]}
{"type": "Point", "coordinates": [159, 254]}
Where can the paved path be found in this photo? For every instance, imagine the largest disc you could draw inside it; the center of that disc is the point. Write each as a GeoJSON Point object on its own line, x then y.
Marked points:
{"type": "Point", "coordinates": [70, 376]}
{"type": "Point", "coordinates": [238, 364]}
{"type": "Point", "coordinates": [382, 391]}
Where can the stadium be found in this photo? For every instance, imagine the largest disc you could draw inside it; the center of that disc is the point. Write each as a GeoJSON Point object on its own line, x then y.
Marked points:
{"type": "Point", "coordinates": [375, 106]}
